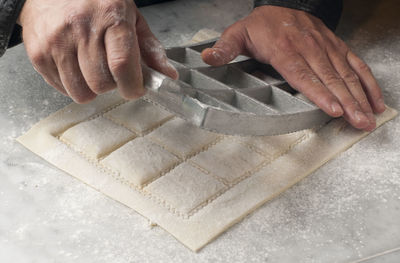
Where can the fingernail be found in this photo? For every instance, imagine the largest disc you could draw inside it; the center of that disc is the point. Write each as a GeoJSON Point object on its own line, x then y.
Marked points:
{"type": "Point", "coordinates": [173, 70]}
{"type": "Point", "coordinates": [361, 117]}
{"type": "Point", "coordinates": [381, 104]}
{"type": "Point", "coordinates": [336, 108]}
{"type": "Point", "coordinates": [216, 53]}
{"type": "Point", "coordinates": [139, 93]}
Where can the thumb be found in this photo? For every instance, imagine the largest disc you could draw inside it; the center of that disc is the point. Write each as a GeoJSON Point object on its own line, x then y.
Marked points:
{"type": "Point", "coordinates": [152, 51]}
{"type": "Point", "coordinates": [226, 49]}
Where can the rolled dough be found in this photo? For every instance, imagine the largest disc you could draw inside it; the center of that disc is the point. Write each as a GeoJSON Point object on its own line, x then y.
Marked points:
{"type": "Point", "coordinates": [193, 183]}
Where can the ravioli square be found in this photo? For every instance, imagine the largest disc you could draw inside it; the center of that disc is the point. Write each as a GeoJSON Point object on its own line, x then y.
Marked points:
{"type": "Point", "coordinates": [185, 187]}
{"type": "Point", "coordinates": [97, 137]}
{"type": "Point", "coordinates": [140, 161]}
{"type": "Point", "coordinates": [139, 115]}
{"type": "Point", "coordinates": [228, 159]}
{"type": "Point", "coordinates": [182, 138]}
{"type": "Point", "coordinates": [273, 146]}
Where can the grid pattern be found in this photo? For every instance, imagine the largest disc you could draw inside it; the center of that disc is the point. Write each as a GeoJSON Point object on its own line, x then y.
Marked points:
{"type": "Point", "coordinates": [193, 203]}
{"type": "Point", "coordinates": [244, 86]}
{"type": "Point", "coordinates": [181, 167]}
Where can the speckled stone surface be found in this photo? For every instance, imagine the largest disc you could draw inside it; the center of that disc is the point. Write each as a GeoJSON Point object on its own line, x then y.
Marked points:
{"type": "Point", "coordinates": [346, 211]}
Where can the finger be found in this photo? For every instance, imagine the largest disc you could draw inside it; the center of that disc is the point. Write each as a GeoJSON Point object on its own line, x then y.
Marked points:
{"type": "Point", "coordinates": [123, 56]}
{"type": "Point", "coordinates": [45, 66]}
{"type": "Point", "coordinates": [72, 78]}
{"type": "Point", "coordinates": [92, 60]}
{"type": "Point", "coordinates": [151, 50]}
{"type": "Point", "coordinates": [318, 61]}
{"type": "Point", "coordinates": [226, 49]}
{"type": "Point", "coordinates": [353, 84]}
{"type": "Point", "coordinates": [368, 81]}
{"type": "Point", "coordinates": [299, 75]}
{"type": "Point", "coordinates": [50, 74]}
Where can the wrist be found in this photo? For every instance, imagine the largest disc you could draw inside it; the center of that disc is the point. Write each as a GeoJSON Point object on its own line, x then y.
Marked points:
{"type": "Point", "coordinates": [329, 11]}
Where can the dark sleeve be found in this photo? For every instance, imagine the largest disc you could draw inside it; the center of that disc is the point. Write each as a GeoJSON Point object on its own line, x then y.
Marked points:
{"type": "Point", "coordinates": [328, 11]}
{"type": "Point", "coordinates": [10, 34]}
{"type": "Point", "coordinates": [141, 3]}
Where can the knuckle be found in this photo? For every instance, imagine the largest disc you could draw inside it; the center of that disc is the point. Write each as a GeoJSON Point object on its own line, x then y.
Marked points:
{"type": "Point", "coordinates": [324, 69]}
{"type": "Point", "coordinates": [291, 19]}
{"type": "Point", "coordinates": [301, 73]}
{"type": "Point", "coordinates": [332, 79]}
{"type": "Point", "coordinates": [363, 67]}
{"type": "Point", "coordinates": [339, 44]}
{"type": "Point", "coordinates": [316, 33]}
{"type": "Point", "coordinates": [285, 45]}
{"type": "Point", "coordinates": [119, 63]}
{"type": "Point", "coordinates": [78, 22]}
{"type": "Point", "coordinates": [115, 6]}
{"type": "Point", "coordinates": [361, 99]}
{"type": "Point", "coordinates": [114, 10]}
{"type": "Point", "coordinates": [350, 103]}
{"type": "Point", "coordinates": [364, 103]}
{"type": "Point", "coordinates": [311, 41]}
{"type": "Point", "coordinates": [55, 38]}
{"type": "Point", "coordinates": [78, 19]}
{"type": "Point", "coordinates": [38, 58]}
{"type": "Point", "coordinates": [351, 78]}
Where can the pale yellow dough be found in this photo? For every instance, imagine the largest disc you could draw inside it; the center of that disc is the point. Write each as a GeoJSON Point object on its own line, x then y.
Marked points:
{"type": "Point", "coordinates": [97, 137]}
{"type": "Point", "coordinates": [182, 138]}
{"type": "Point", "coordinates": [230, 160]}
{"type": "Point", "coordinates": [193, 183]}
{"type": "Point", "coordinates": [177, 187]}
{"type": "Point", "coordinates": [139, 116]}
{"type": "Point", "coordinates": [139, 161]}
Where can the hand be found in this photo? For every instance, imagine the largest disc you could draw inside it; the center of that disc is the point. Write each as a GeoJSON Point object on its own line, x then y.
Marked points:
{"type": "Point", "coordinates": [85, 48]}
{"type": "Point", "coordinates": [309, 56]}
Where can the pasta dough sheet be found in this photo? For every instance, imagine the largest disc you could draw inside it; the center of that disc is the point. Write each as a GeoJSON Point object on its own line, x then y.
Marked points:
{"type": "Point", "coordinates": [193, 183]}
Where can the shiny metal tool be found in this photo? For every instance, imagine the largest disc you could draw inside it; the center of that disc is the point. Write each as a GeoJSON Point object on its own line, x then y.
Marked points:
{"type": "Point", "coordinates": [244, 97]}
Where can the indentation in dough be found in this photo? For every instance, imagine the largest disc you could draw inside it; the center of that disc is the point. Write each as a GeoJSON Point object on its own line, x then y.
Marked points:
{"type": "Point", "coordinates": [97, 137]}
{"type": "Point", "coordinates": [139, 115]}
{"type": "Point", "coordinates": [182, 138]}
{"type": "Point", "coordinates": [272, 145]}
{"type": "Point", "coordinates": [185, 187]}
{"type": "Point", "coordinates": [228, 159]}
{"type": "Point", "coordinates": [140, 161]}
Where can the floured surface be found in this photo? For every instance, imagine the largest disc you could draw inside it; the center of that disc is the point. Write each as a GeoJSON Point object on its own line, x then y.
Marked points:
{"type": "Point", "coordinates": [193, 183]}
{"type": "Point", "coordinates": [194, 191]}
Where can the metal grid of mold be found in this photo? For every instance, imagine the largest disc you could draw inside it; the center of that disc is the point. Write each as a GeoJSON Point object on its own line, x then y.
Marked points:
{"type": "Point", "coordinates": [244, 97]}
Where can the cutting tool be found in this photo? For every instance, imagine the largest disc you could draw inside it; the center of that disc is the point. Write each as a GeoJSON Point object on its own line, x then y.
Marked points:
{"type": "Point", "coordinates": [244, 97]}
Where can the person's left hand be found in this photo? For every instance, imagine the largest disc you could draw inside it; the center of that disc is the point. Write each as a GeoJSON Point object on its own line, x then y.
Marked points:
{"type": "Point", "coordinates": [309, 56]}
{"type": "Point", "coordinates": [86, 48]}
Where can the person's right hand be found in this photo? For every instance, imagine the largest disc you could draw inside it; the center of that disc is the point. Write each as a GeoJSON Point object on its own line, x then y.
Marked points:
{"type": "Point", "coordinates": [85, 48]}
{"type": "Point", "coordinates": [309, 56]}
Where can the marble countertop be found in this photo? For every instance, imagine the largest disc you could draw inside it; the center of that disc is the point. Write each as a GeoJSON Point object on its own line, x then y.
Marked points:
{"type": "Point", "coordinates": [346, 211]}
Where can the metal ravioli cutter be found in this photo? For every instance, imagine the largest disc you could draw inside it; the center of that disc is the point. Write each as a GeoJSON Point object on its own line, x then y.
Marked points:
{"type": "Point", "coordinates": [244, 97]}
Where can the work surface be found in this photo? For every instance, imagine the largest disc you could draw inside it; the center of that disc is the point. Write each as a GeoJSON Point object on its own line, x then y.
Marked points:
{"type": "Point", "coordinates": [347, 210]}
